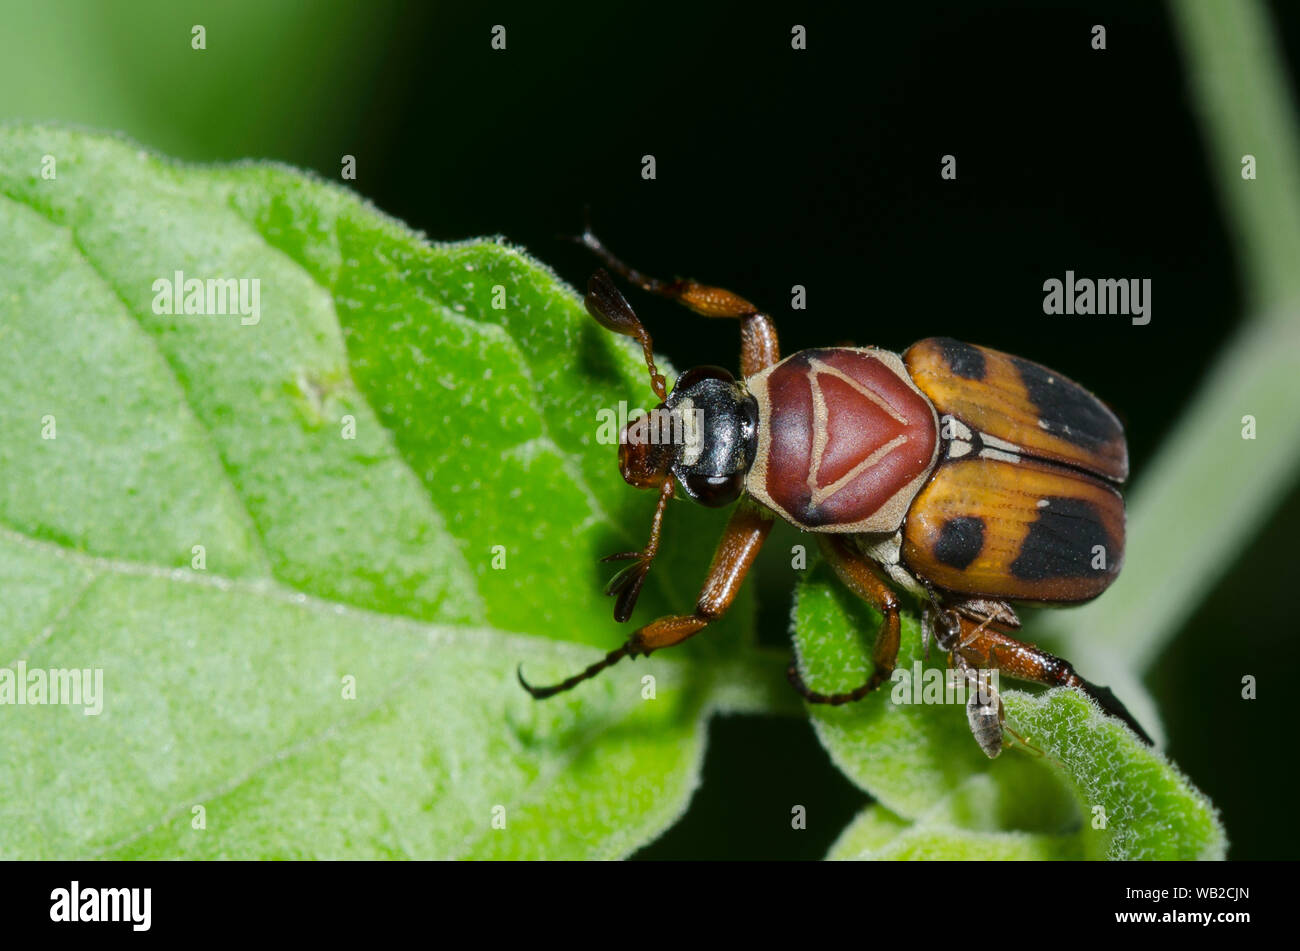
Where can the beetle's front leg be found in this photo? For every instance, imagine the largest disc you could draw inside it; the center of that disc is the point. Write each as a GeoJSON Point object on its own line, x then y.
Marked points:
{"type": "Point", "coordinates": [743, 537]}
{"type": "Point", "coordinates": [626, 585]}
{"type": "Point", "coordinates": [741, 540]}
{"type": "Point", "coordinates": [863, 580]}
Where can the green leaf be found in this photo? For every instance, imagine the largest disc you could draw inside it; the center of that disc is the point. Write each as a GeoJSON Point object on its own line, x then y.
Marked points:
{"type": "Point", "coordinates": [1238, 77]}
{"type": "Point", "coordinates": [873, 829]}
{"type": "Point", "coordinates": [1087, 787]}
{"type": "Point", "coordinates": [328, 560]}
{"type": "Point", "coordinates": [876, 836]}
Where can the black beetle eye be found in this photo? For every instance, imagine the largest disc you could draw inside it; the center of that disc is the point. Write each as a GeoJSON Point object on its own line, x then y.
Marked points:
{"type": "Point", "coordinates": [695, 374]}
{"type": "Point", "coordinates": [713, 491]}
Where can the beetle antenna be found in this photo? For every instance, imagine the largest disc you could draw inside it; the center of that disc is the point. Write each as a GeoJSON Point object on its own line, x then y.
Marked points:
{"type": "Point", "coordinates": [612, 311]}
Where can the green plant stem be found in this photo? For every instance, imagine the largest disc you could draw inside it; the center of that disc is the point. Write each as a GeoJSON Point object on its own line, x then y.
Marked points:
{"type": "Point", "coordinates": [1200, 501]}
{"type": "Point", "coordinates": [1238, 79]}
{"type": "Point", "coordinates": [1209, 489]}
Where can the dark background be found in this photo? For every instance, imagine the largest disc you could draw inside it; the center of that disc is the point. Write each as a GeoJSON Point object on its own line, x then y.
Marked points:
{"type": "Point", "coordinates": [821, 168]}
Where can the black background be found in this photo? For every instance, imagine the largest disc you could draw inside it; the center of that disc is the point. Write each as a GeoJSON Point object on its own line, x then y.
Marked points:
{"type": "Point", "coordinates": [821, 167]}
{"type": "Point", "coordinates": [235, 900]}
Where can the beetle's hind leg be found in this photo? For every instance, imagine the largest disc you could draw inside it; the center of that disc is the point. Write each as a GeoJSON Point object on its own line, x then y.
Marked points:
{"type": "Point", "coordinates": [862, 579]}
{"type": "Point", "coordinates": [984, 645]}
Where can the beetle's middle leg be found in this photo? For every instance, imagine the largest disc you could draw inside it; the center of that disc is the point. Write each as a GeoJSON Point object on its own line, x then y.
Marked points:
{"type": "Point", "coordinates": [984, 645]}
{"type": "Point", "coordinates": [741, 540]}
{"type": "Point", "coordinates": [862, 578]}
{"type": "Point", "coordinates": [758, 344]}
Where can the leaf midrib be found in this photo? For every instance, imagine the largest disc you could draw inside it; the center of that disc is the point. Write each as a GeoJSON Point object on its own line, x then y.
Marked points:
{"type": "Point", "coordinates": [263, 555]}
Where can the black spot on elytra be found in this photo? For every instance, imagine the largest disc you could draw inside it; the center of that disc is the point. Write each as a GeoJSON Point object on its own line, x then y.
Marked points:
{"type": "Point", "coordinates": [1060, 542]}
{"type": "Point", "coordinates": [1066, 410]}
{"type": "Point", "coordinates": [960, 541]}
{"type": "Point", "coordinates": [962, 359]}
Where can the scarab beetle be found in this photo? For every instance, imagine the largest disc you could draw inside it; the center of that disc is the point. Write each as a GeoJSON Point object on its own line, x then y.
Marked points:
{"type": "Point", "coordinates": [966, 477]}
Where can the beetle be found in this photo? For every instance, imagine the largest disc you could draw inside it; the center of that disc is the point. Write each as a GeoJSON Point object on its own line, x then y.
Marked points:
{"type": "Point", "coordinates": [966, 477]}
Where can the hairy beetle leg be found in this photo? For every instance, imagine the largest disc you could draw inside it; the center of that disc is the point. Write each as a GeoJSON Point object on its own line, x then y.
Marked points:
{"type": "Point", "coordinates": [626, 585]}
{"type": "Point", "coordinates": [741, 540]}
{"type": "Point", "coordinates": [986, 646]}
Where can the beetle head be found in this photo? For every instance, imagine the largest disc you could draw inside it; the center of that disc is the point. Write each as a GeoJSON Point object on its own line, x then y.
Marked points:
{"type": "Point", "coordinates": [643, 460]}
{"type": "Point", "coordinates": [704, 436]}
